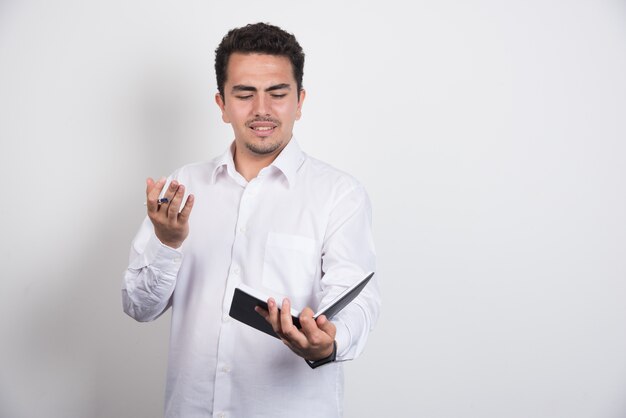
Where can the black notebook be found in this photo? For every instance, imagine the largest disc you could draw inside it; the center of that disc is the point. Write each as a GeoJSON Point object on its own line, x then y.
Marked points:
{"type": "Point", "coordinates": [245, 299]}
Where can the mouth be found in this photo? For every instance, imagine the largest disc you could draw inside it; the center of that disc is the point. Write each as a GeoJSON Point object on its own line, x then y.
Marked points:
{"type": "Point", "coordinates": [262, 128]}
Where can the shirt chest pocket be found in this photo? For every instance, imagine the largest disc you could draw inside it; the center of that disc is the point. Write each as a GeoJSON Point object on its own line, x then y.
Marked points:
{"type": "Point", "coordinates": [290, 265]}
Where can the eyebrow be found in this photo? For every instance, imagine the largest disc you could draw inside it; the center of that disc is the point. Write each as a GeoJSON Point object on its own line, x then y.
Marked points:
{"type": "Point", "coordinates": [241, 87]}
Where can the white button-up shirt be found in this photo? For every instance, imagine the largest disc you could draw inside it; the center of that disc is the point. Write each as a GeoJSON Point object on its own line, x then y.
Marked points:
{"type": "Point", "coordinates": [300, 229]}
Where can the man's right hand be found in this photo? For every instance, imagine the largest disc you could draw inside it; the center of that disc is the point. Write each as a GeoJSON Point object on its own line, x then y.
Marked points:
{"type": "Point", "coordinates": [171, 225]}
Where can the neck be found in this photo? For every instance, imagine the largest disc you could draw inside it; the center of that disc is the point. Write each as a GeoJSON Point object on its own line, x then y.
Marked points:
{"type": "Point", "coordinates": [249, 164]}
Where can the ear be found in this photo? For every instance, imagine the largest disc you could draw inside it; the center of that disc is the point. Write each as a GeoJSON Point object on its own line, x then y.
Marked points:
{"type": "Point", "coordinates": [220, 102]}
{"type": "Point", "coordinates": [301, 97]}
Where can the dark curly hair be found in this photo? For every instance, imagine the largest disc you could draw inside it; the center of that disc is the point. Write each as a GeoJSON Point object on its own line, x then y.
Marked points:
{"type": "Point", "coordinates": [260, 38]}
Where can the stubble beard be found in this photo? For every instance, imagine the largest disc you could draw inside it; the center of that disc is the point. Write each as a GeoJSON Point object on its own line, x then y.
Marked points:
{"type": "Point", "coordinates": [264, 148]}
{"type": "Point", "coordinates": [268, 145]}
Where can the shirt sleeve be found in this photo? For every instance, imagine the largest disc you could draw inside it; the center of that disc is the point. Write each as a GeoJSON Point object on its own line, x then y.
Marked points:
{"type": "Point", "coordinates": [150, 278]}
{"type": "Point", "coordinates": [348, 254]}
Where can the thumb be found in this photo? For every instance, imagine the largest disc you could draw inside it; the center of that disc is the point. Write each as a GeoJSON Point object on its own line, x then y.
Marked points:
{"type": "Point", "coordinates": [326, 326]}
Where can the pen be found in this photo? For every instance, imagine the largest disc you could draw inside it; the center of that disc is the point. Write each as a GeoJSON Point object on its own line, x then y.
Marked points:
{"type": "Point", "coordinates": [160, 201]}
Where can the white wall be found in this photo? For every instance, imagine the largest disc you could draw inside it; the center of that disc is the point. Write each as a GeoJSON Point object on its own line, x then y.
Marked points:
{"type": "Point", "coordinates": [490, 135]}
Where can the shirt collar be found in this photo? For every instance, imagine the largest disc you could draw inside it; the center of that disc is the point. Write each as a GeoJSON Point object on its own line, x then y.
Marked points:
{"type": "Point", "coordinates": [288, 162]}
{"type": "Point", "coordinates": [225, 164]}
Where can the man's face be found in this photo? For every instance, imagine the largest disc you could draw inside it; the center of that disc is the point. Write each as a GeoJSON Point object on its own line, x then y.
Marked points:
{"type": "Point", "coordinates": [261, 102]}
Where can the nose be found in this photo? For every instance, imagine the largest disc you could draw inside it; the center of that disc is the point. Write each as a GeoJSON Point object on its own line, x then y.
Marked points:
{"type": "Point", "coordinates": [261, 106]}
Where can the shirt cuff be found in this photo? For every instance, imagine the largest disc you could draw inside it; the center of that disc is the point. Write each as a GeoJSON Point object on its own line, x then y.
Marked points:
{"type": "Point", "coordinates": [343, 339]}
{"type": "Point", "coordinates": [161, 257]}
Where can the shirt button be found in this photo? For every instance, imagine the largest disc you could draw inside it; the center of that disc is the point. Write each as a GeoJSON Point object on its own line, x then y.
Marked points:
{"type": "Point", "coordinates": [221, 415]}
{"type": "Point", "coordinates": [242, 229]}
{"type": "Point", "coordinates": [225, 369]}
{"type": "Point", "coordinates": [236, 271]}
{"type": "Point", "coordinates": [225, 318]}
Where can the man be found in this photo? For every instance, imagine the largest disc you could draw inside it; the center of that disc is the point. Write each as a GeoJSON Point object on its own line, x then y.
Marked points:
{"type": "Point", "coordinates": [267, 215]}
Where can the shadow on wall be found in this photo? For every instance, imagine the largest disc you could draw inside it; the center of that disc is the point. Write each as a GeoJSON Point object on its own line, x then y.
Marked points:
{"type": "Point", "coordinates": [73, 352]}
{"type": "Point", "coordinates": [76, 353]}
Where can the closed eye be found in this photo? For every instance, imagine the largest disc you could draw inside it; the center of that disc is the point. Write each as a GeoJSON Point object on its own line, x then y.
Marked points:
{"type": "Point", "coordinates": [244, 97]}
{"type": "Point", "coordinates": [279, 96]}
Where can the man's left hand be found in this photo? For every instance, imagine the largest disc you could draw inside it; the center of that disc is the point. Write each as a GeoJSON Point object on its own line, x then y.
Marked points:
{"type": "Point", "coordinates": [314, 341]}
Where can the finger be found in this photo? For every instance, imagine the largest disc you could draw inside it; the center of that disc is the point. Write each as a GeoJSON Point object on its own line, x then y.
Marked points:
{"type": "Point", "coordinates": [309, 327]}
{"type": "Point", "coordinates": [273, 316]}
{"type": "Point", "coordinates": [149, 185]}
{"type": "Point", "coordinates": [174, 206]}
{"type": "Point", "coordinates": [169, 195]}
{"type": "Point", "coordinates": [291, 333]}
{"type": "Point", "coordinates": [263, 312]}
{"type": "Point", "coordinates": [183, 216]}
{"type": "Point", "coordinates": [152, 193]}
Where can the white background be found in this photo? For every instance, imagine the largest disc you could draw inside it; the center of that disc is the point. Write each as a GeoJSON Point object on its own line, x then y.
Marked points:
{"type": "Point", "coordinates": [490, 135]}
